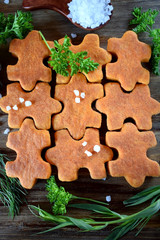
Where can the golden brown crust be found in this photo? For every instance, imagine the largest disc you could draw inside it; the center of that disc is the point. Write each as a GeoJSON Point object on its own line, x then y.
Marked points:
{"type": "Point", "coordinates": [69, 155]}
{"type": "Point", "coordinates": [41, 109]}
{"type": "Point", "coordinates": [128, 69]}
{"type": "Point", "coordinates": [132, 162]}
{"type": "Point", "coordinates": [28, 143]}
{"type": "Point", "coordinates": [77, 116]}
{"type": "Point", "coordinates": [118, 106]}
{"type": "Point", "coordinates": [90, 44]}
{"type": "Point", "coordinates": [29, 69]}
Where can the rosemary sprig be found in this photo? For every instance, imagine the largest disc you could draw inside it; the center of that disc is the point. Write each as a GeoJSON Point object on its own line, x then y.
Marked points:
{"type": "Point", "coordinates": [63, 59]}
{"type": "Point", "coordinates": [12, 194]}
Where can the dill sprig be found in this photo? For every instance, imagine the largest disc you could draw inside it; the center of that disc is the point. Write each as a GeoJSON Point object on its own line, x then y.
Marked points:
{"type": "Point", "coordinates": [125, 223]}
{"type": "Point", "coordinates": [63, 59]}
{"type": "Point", "coordinates": [12, 194]}
{"type": "Point", "coordinates": [15, 26]}
{"type": "Point", "coordinates": [144, 22]}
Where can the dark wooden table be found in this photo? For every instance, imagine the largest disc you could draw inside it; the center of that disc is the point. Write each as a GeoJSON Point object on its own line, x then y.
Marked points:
{"type": "Point", "coordinates": [55, 26]}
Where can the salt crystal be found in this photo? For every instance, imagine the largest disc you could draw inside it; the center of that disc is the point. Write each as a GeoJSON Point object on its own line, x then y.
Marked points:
{"type": "Point", "coordinates": [6, 1]}
{"type": "Point", "coordinates": [6, 131]}
{"type": "Point", "coordinates": [88, 153]}
{"type": "Point", "coordinates": [104, 179]}
{"type": "Point", "coordinates": [90, 13]}
{"type": "Point", "coordinates": [73, 35]}
{"type": "Point", "coordinates": [8, 108]}
{"type": "Point", "coordinates": [0, 95]}
{"type": "Point", "coordinates": [15, 107]}
{"type": "Point", "coordinates": [77, 100]}
{"type": "Point", "coordinates": [108, 198]}
{"type": "Point", "coordinates": [84, 143]}
{"type": "Point", "coordinates": [76, 92]}
{"type": "Point", "coordinates": [97, 148]}
{"type": "Point", "coordinates": [28, 103]}
{"type": "Point", "coordinates": [82, 95]}
{"type": "Point", "coordinates": [21, 100]}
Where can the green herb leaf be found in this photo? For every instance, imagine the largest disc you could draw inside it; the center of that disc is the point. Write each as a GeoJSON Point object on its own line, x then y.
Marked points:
{"type": "Point", "coordinates": [64, 61]}
{"type": "Point", "coordinates": [15, 26]}
{"type": "Point", "coordinates": [97, 209]}
{"type": "Point", "coordinates": [58, 196]}
{"type": "Point", "coordinates": [144, 22]}
{"type": "Point", "coordinates": [12, 194]}
{"type": "Point", "coordinates": [143, 196]}
{"type": "Point", "coordinates": [125, 223]}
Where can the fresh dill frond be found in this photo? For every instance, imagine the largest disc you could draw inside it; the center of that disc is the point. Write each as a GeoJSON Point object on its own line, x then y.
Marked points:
{"type": "Point", "coordinates": [15, 26]}
{"type": "Point", "coordinates": [65, 62]}
{"type": "Point", "coordinates": [12, 194]}
{"type": "Point", "coordinates": [144, 22]}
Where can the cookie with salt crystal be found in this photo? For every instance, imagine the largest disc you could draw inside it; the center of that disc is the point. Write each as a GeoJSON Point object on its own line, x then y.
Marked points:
{"type": "Point", "coordinates": [90, 44]}
{"type": "Point", "coordinates": [36, 104]}
{"type": "Point", "coordinates": [119, 105]}
{"type": "Point", "coordinates": [29, 69]}
{"type": "Point", "coordinates": [77, 97]}
{"type": "Point", "coordinates": [28, 143]}
{"type": "Point", "coordinates": [131, 53]}
{"type": "Point", "coordinates": [132, 162]}
{"type": "Point", "coordinates": [70, 155]}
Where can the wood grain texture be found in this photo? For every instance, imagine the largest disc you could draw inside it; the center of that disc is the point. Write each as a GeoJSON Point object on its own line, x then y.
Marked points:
{"type": "Point", "coordinates": [55, 26]}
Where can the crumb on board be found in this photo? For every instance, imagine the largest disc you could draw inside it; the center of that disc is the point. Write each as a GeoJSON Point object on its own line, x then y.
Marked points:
{"type": "Point", "coordinates": [6, 1]}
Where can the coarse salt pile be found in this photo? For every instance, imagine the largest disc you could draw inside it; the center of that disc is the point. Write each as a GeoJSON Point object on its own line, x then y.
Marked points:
{"type": "Point", "coordinates": [90, 13]}
{"type": "Point", "coordinates": [6, 1]}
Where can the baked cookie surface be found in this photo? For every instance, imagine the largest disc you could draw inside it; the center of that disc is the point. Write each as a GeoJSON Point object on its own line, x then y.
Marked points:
{"type": "Point", "coordinates": [29, 69]}
{"type": "Point", "coordinates": [90, 44]}
{"type": "Point", "coordinates": [118, 106]}
{"type": "Point", "coordinates": [70, 155]}
{"type": "Point", "coordinates": [36, 104]}
{"type": "Point", "coordinates": [77, 97]}
{"type": "Point", "coordinates": [132, 162]}
{"type": "Point", "coordinates": [28, 143]}
{"type": "Point", "coordinates": [131, 53]}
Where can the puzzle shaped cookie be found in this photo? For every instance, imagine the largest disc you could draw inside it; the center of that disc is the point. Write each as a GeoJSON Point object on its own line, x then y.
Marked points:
{"type": "Point", "coordinates": [118, 106]}
{"type": "Point", "coordinates": [77, 97]}
{"type": "Point", "coordinates": [36, 104]}
{"type": "Point", "coordinates": [132, 162]}
{"type": "Point", "coordinates": [70, 155]}
{"type": "Point", "coordinates": [131, 53]}
{"type": "Point", "coordinates": [29, 69]}
{"type": "Point", "coordinates": [28, 143]}
{"type": "Point", "coordinates": [90, 44]}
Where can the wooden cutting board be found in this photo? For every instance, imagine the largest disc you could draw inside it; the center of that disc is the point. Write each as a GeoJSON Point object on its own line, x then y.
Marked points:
{"type": "Point", "coordinates": [55, 26]}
